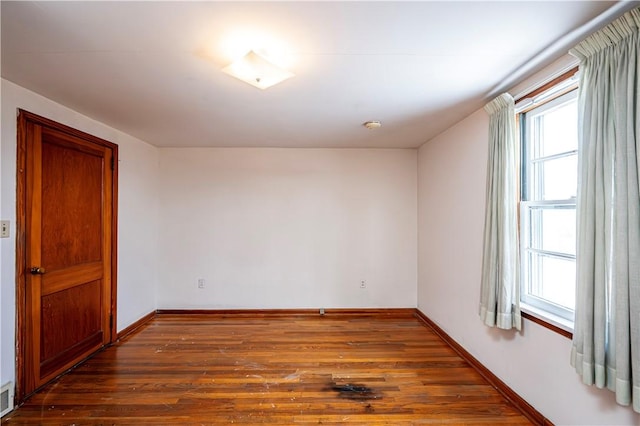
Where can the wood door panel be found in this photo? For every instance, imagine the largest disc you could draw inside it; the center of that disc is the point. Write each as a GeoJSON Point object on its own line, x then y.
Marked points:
{"type": "Point", "coordinates": [63, 279]}
{"type": "Point", "coordinates": [77, 142]}
{"type": "Point", "coordinates": [66, 359]}
{"type": "Point", "coordinates": [69, 317]}
{"type": "Point", "coordinates": [71, 206]}
{"type": "Point", "coordinates": [67, 213]}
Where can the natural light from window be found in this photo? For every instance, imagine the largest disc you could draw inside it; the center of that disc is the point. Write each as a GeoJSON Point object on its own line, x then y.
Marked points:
{"type": "Point", "coordinates": [547, 213]}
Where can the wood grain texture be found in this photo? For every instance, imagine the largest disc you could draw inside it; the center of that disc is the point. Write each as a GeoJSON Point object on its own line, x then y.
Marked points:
{"type": "Point", "coordinates": [21, 253]}
{"type": "Point", "coordinates": [72, 205]}
{"type": "Point", "coordinates": [64, 279]}
{"type": "Point", "coordinates": [300, 369]}
{"type": "Point", "coordinates": [69, 317]}
{"type": "Point", "coordinates": [527, 409]}
{"type": "Point", "coordinates": [67, 225]}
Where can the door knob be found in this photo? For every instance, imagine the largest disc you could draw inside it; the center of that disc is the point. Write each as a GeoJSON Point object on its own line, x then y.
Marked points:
{"type": "Point", "coordinates": [36, 270]}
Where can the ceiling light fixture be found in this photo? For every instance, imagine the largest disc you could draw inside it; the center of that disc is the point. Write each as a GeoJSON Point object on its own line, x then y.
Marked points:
{"type": "Point", "coordinates": [374, 124]}
{"type": "Point", "coordinates": [256, 70]}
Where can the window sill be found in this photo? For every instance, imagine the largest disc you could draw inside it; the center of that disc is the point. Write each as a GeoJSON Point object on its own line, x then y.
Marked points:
{"type": "Point", "coordinates": [552, 322]}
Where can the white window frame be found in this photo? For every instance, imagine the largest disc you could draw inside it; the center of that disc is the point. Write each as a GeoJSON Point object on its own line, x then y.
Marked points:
{"type": "Point", "coordinates": [526, 248]}
{"type": "Point", "coordinates": [548, 311]}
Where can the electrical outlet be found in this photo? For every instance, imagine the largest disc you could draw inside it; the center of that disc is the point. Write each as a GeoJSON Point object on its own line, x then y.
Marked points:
{"type": "Point", "coordinates": [363, 284]}
{"type": "Point", "coordinates": [200, 282]}
{"type": "Point", "coordinates": [4, 229]}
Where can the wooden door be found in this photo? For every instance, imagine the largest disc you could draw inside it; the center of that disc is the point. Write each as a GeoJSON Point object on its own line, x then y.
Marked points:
{"type": "Point", "coordinates": [68, 269]}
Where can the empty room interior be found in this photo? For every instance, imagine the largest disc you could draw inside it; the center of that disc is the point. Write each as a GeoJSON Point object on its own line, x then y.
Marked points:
{"type": "Point", "coordinates": [278, 212]}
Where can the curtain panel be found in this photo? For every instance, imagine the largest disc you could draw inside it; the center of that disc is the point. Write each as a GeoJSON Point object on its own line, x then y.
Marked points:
{"type": "Point", "coordinates": [500, 292]}
{"type": "Point", "coordinates": [606, 338]}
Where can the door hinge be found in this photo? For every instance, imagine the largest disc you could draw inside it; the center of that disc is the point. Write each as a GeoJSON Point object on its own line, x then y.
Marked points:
{"type": "Point", "coordinates": [113, 163]}
{"type": "Point", "coordinates": [110, 321]}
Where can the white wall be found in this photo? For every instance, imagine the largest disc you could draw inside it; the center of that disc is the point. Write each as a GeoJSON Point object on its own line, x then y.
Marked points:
{"type": "Point", "coordinates": [535, 362]}
{"type": "Point", "coordinates": [138, 214]}
{"type": "Point", "coordinates": [288, 228]}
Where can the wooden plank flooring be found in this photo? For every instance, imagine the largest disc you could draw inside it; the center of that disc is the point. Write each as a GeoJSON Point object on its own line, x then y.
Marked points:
{"type": "Point", "coordinates": [235, 369]}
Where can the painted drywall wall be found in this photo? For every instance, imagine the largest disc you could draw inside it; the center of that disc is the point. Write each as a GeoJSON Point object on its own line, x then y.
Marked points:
{"type": "Point", "coordinates": [288, 228]}
{"type": "Point", "coordinates": [535, 362]}
{"type": "Point", "coordinates": [138, 214]}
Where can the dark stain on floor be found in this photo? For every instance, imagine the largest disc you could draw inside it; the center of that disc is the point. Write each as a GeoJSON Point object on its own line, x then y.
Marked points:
{"type": "Point", "coordinates": [354, 391]}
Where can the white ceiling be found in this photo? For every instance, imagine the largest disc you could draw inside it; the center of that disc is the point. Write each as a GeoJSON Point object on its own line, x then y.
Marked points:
{"type": "Point", "coordinates": [153, 69]}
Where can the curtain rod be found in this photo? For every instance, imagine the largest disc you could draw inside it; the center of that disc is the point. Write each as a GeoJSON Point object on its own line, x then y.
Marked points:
{"type": "Point", "coordinates": [561, 46]}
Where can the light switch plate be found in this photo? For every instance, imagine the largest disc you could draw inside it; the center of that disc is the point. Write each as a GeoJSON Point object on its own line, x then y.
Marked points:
{"type": "Point", "coordinates": [4, 229]}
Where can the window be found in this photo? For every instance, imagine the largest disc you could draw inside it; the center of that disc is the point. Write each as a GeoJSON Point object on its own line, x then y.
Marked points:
{"type": "Point", "coordinates": [549, 160]}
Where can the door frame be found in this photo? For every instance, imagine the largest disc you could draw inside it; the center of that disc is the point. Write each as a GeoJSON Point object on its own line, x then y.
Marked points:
{"type": "Point", "coordinates": [24, 119]}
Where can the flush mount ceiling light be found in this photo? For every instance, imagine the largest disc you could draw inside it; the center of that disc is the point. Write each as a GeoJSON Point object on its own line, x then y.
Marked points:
{"type": "Point", "coordinates": [374, 124]}
{"type": "Point", "coordinates": [257, 71]}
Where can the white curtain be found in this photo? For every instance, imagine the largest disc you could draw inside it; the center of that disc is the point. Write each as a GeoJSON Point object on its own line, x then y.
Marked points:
{"type": "Point", "coordinates": [500, 292]}
{"type": "Point", "coordinates": [606, 339]}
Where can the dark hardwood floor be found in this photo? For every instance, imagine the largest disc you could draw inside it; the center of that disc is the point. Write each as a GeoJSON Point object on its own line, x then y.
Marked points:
{"type": "Point", "coordinates": [300, 369]}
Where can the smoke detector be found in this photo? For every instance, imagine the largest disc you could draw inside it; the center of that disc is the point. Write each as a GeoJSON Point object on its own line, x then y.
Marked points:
{"type": "Point", "coordinates": [374, 124]}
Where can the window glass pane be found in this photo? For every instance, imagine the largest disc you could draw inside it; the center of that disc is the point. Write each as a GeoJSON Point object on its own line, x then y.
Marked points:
{"type": "Point", "coordinates": [553, 229]}
{"type": "Point", "coordinates": [555, 179]}
{"type": "Point", "coordinates": [549, 188]}
{"type": "Point", "coordinates": [560, 130]}
{"type": "Point", "coordinates": [553, 279]}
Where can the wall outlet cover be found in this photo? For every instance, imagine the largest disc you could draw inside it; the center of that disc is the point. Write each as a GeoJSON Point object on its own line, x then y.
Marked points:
{"type": "Point", "coordinates": [4, 228]}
